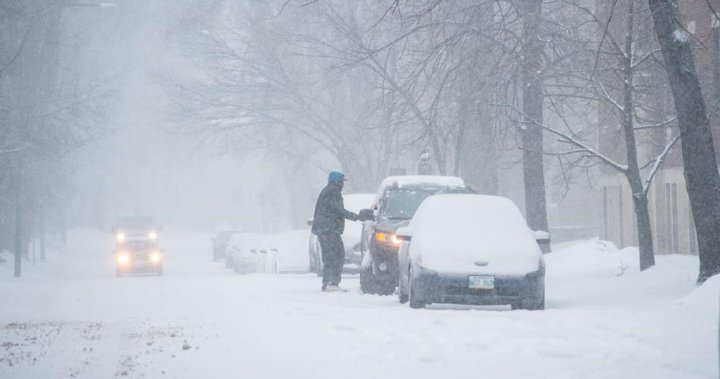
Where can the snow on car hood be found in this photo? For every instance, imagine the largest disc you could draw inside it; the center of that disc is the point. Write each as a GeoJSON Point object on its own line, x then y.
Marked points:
{"type": "Point", "coordinates": [473, 234]}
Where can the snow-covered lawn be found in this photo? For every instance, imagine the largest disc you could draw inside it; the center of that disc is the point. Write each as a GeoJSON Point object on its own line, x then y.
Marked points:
{"type": "Point", "coordinates": [71, 318]}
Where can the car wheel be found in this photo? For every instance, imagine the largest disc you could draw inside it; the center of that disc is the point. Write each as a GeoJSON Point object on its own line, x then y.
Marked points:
{"type": "Point", "coordinates": [415, 301]}
{"type": "Point", "coordinates": [402, 296]}
{"type": "Point", "coordinates": [367, 280]}
{"type": "Point", "coordinates": [385, 288]}
{"type": "Point", "coordinates": [536, 304]}
{"type": "Point", "coordinates": [531, 304]}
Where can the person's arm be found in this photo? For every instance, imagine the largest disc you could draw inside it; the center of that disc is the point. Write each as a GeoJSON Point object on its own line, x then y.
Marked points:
{"type": "Point", "coordinates": [337, 206]}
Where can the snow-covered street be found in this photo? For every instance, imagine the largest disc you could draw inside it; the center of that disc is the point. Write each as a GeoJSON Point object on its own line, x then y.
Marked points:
{"type": "Point", "coordinates": [72, 318]}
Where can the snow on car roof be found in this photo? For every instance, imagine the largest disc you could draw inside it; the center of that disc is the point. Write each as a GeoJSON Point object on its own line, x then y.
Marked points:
{"type": "Point", "coordinates": [414, 180]}
{"type": "Point", "coordinates": [492, 222]}
{"type": "Point", "coordinates": [472, 210]}
{"type": "Point", "coordinates": [356, 202]}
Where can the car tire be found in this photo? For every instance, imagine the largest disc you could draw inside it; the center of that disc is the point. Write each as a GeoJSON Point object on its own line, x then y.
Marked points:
{"type": "Point", "coordinates": [414, 301]}
{"type": "Point", "coordinates": [531, 304]}
{"type": "Point", "coordinates": [367, 281]}
{"type": "Point", "coordinates": [385, 288]}
{"type": "Point", "coordinates": [402, 296]}
{"type": "Point", "coordinates": [536, 304]}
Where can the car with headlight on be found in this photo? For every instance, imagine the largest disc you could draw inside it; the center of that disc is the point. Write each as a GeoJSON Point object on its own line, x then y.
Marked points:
{"type": "Point", "coordinates": [138, 256]}
{"type": "Point", "coordinates": [470, 249]}
{"type": "Point", "coordinates": [350, 237]}
{"type": "Point", "coordinates": [136, 246]}
{"type": "Point", "coordinates": [395, 203]}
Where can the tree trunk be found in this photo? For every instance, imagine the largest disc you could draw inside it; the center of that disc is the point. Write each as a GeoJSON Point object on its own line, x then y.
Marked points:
{"type": "Point", "coordinates": [532, 97]}
{"type": "Point", "coordinates": [700, 164]}
{"type": "Point", "coordinates": [647, 255]}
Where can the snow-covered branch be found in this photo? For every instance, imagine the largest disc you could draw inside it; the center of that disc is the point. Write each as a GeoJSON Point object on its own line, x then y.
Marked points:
{"type": "Point", "coordinates": [658, 163]}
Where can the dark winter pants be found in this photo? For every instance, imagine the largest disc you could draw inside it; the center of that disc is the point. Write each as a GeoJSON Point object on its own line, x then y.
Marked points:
{"type": "Point", "coordinates": [333, 256]}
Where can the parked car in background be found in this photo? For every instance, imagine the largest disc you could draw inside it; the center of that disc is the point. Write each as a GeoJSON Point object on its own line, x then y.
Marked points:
{"type": "Point", "coordinates": [350, 237]}
{"type": "Point", "coordinates": [291, 254]}
{"type": "Point", "coordinates": [470, 249]}
{"type": "Point", "coordinates": [220, 243]}
{"type": "Point", "coordinates": [395, 203]}
{"type": "Point", "coordinates": [241, 251]}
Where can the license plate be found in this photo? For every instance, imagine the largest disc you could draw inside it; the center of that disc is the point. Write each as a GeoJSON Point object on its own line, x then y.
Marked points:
{"type": "Point", "coordinates": [482, 282]}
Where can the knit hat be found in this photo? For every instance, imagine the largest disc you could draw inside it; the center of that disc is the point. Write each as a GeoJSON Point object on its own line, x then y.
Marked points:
{"type": "Point", "coordinates": [336, 177]}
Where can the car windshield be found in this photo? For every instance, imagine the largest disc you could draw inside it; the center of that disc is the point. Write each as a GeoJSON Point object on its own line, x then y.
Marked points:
{"type": "Point", "coordinates": [140, 244]}
{"type": "Point", "coordinates": [401, 203]}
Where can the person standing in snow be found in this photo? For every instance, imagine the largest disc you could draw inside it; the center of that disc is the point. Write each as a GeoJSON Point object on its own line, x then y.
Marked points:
{"type": "Point", "coordinates": [328, 224]}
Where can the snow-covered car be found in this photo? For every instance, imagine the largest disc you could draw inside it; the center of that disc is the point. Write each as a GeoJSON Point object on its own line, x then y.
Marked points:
{"type": "Point", "coordinates": [395, 203]}
{"type": "Point", "coordinates": [291, 255]}
{"type": "Point", "coordinates": [220, 243]}
{"type": "Point", "coordinates": [350, 237]}
{"type": "Point", "coordinates": [470, 249]}
{"type": "Point", "coordinates": [242, 251]}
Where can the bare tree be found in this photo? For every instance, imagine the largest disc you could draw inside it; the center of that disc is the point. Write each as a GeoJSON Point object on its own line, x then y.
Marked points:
{"type": "Point", "coordinates": [698, 151]}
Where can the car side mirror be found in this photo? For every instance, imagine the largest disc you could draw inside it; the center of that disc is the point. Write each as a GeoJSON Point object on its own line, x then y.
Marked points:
{"type": "Point", "coordinates": [404, 233]}
{"type": "Point", "coordinates": [541, 236]}
{"type": "Point", "coordinates": [543, 240]}
{"type": "Point", "coordinates": [310, 221]}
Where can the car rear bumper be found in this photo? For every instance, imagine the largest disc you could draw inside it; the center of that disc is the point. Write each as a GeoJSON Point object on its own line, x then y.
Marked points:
{"type": "Point", "coordinates": [434, 287]}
